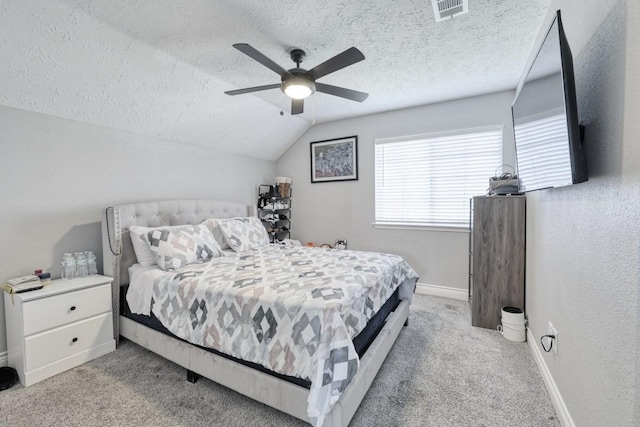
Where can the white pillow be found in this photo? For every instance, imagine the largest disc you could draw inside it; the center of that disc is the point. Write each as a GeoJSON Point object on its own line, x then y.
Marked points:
{"type": "Point", "coordinates": [214, 227]}
{"type": "Point", "coordinates": [244, 234]}
{"type": "Point", "coordinates": [175, 247]}
{"type": "Point", "coordinates": [141, 247]}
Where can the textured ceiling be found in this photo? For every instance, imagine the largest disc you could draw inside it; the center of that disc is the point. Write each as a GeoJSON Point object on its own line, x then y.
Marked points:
{"type": "Point", "coordinates": [160, 67]}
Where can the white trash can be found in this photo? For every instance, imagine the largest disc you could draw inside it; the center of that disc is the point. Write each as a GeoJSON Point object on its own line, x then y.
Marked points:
{"type": "Point", "coordinates": [513, 325]}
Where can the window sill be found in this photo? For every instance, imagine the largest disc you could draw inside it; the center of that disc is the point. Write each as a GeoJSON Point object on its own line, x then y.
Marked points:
{"type": "Point", "coordinates": [447, 228]}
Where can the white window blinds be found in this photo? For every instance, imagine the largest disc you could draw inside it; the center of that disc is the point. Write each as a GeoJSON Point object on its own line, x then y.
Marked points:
{"type": "Point", "coordinates": [543, 152]}
{"type": "Point", "coordinates": [428, 181]}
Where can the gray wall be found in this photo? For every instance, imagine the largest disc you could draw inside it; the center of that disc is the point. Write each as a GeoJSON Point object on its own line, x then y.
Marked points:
{"type": "Point", "coordinates": [583, 251]}
{"type": "Point", "coordinates": [325, 212]}
{"type": "Point", "coordinates": [57, 175]}
{"type": "Point", "coordinates": [582, 240]}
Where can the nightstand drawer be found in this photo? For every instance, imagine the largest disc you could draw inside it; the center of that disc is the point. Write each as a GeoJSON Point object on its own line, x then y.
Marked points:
{"type": "Point", "coordinates": [48, 313]}
{"type": "Point", "coordinates": [52, 346]}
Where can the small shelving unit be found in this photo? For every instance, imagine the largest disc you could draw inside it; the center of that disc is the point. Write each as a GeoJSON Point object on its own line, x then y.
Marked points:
{"type": "Point", "coordinates": [274, 210]}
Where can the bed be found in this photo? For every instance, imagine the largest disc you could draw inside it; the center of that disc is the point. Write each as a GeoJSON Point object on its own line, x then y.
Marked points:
{"type": "Point", "coordinates": [302, 330]}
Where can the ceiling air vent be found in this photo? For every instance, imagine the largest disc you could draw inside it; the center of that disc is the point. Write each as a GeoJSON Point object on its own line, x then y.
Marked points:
{"type": "Point", "coordinates": [446, 9]}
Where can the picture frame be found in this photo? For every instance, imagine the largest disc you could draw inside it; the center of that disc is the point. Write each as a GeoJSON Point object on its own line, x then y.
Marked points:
{"type": "Point", "coordinates": [334, 160]}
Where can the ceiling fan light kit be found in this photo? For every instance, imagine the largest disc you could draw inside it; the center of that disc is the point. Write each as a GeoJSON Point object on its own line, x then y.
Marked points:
{"type": "Point", "coordinates": [298, 87]}
{"type": "Point", "coordinates": [298, 83]}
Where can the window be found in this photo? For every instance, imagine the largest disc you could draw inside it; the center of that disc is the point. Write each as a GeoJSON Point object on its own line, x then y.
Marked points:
{"type": "Point", "coordinates": [428, 180]}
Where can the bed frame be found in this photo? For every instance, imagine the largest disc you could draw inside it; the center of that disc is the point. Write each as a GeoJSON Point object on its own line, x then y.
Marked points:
{"type": "Point", "coordinates": [118, 256]}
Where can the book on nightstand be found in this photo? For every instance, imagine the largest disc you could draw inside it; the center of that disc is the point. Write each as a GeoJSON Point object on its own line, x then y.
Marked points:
{"type": "Point", "coordinates": [22, 284]}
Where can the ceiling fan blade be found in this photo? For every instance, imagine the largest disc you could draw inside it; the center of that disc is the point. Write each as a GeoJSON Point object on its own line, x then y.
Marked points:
{"type": "Point", "coordinates": [261, 58]}
{"type": "Point", "coordinates": [252, 89]}
{"type": "Point", "coordinates": [353, 95]}
{"type": "Point", "coordinates": [297, 106]}
{"type": "Point", "coordinates": [338, 62]}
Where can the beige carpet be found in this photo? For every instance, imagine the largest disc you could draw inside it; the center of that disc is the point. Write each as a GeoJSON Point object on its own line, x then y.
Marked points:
{"type": "Point", "coordinates": [441, 372]}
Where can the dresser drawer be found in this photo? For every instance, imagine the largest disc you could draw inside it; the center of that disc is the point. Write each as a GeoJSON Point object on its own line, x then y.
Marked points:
{"type": "Point", "coordinates": [56, 344]}
{"type": "Point", "coordinates": [48, 313]}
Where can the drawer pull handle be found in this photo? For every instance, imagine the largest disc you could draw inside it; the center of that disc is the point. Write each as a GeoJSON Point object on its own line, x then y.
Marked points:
{"type": "Point", "coordinates": [75, 339]}
{"type": "Point", "coordinates": [73, 307]}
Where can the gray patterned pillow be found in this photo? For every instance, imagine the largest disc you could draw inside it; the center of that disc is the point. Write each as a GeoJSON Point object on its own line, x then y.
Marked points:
{"type": "Point", "coordinates": [175, 247]}
{"type": "Point", "coordinates": [244, 234]}
{"type": "Point", "coordinates": [212, 225]}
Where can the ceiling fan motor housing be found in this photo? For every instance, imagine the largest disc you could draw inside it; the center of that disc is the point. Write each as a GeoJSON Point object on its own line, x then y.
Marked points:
{"type": "Point", "coordinates": [297, 56]}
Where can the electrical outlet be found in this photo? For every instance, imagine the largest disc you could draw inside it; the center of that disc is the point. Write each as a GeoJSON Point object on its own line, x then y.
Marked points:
{"type": "Point", "coordinates": [552, 331]}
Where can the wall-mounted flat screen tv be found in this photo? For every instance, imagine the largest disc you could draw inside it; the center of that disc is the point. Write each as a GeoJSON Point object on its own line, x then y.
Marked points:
{"type": "Point", "coordinates": [547, 131]}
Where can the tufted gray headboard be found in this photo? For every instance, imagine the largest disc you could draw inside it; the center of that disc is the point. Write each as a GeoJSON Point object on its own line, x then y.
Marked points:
{"type": "Point", "coordinates": [117, 250]}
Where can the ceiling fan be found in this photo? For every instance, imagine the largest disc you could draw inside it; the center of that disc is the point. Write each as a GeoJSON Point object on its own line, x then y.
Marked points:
{"type": "Point", "coordinates": [299, 83]}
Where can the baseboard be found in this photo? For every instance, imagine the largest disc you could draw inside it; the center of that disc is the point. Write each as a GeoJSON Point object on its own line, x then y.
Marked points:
{"type": "Point", "coordinates": [561, 409]}
{"type": "Point", "coordinates": [442, 291]}
{"type": "Point", "coordinates": [4, 360]}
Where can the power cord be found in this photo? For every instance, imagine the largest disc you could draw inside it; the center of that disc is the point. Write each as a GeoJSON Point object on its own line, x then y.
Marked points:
{"type": "Point", "coordinates": [551, 340]}
{"type": "Point", "coordinates": [502, 180]}
{"type": "Point", "coordinates": [513, 170]}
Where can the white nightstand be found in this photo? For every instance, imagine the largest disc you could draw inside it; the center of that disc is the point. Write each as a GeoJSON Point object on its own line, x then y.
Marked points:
{"type": "Point", "coordinates": [58, 327]}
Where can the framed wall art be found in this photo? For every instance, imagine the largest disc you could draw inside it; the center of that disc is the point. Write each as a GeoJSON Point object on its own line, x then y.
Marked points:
{"type": "Point", "coordinates": [334, 160]}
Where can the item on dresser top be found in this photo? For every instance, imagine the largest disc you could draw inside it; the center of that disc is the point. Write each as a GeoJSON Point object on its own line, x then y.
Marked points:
{"type": "Point", "coordinates": [45, 278]}
{"type": "Point", "coordinates": [22, 284]}
{"type": "Point", "coordinates": [81, 264]}
{"type": "Point", "coordinates": [68, 266]}
{"type": "Point", "coordinates": [23, 279]}
{"type": "Point", "coordinates": [91, 263]}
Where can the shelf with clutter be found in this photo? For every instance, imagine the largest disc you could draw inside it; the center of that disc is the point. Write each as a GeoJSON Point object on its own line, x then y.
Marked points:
{"type": "Point", "coordinates": [274, 209]}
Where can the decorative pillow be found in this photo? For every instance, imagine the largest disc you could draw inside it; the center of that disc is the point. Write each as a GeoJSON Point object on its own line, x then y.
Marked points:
{"type": "Point", "coordinates": [214, 227]}
{"type": "Point", "coordinates": [175, 247]}
{"type": "Point", "coordinates": [138, 236]}
{"type": "Point", "coordinates": [244, 234]}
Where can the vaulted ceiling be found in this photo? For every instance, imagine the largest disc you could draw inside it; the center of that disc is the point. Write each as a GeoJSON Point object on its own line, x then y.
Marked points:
{"type": "Point", "coordinates": [160, 67]}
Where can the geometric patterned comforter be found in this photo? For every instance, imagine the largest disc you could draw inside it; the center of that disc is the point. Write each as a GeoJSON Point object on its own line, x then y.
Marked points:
{"type": "Point", "coordinates": [292, 309]}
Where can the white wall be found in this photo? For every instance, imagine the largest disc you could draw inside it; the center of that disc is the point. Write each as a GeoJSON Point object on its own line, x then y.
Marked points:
{"type": "Point", "coordinates": [57, 175]}
{"type": "Point", "coordinates": [583, 241]}
{"type": "Point", "coordinates": [325, 212]}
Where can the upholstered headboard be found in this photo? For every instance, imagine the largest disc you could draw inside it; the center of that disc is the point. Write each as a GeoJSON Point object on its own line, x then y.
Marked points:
{"type": "Point", "coordinates": [117, 250]}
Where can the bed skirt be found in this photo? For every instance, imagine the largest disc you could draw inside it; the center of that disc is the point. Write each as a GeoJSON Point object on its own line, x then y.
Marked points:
{"type": "Point", "coordinates": [265, 388]}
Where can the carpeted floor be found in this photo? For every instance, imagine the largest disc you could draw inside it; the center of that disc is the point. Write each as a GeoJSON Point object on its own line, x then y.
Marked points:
{"type": "Point", "coordinates": [441, 372]}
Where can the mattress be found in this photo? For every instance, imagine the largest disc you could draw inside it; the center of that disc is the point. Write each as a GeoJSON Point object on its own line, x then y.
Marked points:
{"type": "Point", "coordinates": [293, 310]}
{"type": "Point", "coordinates": [361, 342]}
